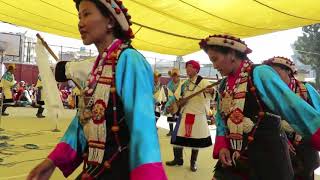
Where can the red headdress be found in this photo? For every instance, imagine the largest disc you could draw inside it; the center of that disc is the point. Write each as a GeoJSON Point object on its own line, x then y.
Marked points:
{"type": "Point", "coordinates": [194, 64]}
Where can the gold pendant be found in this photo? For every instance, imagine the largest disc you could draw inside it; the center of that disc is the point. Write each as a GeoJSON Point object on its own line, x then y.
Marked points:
{"type": "Point", "coordinates": [226, 103]}
{"type": "Point", "coordinates": [85, 115]}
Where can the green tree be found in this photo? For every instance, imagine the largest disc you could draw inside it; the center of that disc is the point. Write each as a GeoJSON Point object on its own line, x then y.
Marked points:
{"type": "Point", "coordinates": [307, 49]}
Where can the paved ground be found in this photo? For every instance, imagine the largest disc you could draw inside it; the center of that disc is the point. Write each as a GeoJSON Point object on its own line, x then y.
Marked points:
{"type": "Point", "coordinates": [22, 127]}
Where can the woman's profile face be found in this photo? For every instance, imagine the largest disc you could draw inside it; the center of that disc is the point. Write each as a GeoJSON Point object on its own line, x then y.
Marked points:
{"type": "Point", "coordinates": [92, 24]}
{"type": "Point", "coordinates": [221, 62]}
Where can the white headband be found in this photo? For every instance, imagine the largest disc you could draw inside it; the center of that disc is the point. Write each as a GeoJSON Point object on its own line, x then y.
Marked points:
{"type": "Point", "coordinates": [226, 41]}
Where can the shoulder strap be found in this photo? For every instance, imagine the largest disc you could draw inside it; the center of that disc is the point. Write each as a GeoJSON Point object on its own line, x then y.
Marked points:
{"type": "Point", "coordinates": [199, 78]}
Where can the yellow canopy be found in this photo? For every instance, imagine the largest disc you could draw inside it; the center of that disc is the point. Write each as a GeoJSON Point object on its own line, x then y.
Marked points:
{"type": "Point", "coordinates": [172, 26]}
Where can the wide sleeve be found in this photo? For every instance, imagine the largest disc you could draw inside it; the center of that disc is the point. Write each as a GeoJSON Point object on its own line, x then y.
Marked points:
{"type": "Point", "coordinates": [221, 140]}
{"type": "Point", "coordinates": [77, 71]}
{"type": "Point", "coordinates": [302, 117]}
{"type": "Point", "coordinates": [8, 80]}
{"type": "Point", "coordinates": [170, 88]}
{"type": "Point", "coordinates": [7, 83]}
{"type": "Point", "coordinates": [160, 96]}
{"type": "Point", "coordinates": [171, 96]}
{"type": "Point", "coordinates": [67, 155]}
{"type": "Point", "coordinates": [134, 84]}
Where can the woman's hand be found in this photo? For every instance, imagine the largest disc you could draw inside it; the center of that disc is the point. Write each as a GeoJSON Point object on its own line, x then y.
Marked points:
{"type": "Point", "coordinates": [210, 90]}
{"type": "Point", "coordinates": [224, 157]}
{"type": "Point", "coordinates": [42, 171]}
{"type": "Point", "coordinates": [291, 148]}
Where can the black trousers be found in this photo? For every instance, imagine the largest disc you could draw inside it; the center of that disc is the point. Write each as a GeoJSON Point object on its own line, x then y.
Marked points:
{"type": "Point", "coordinates": [157, 114]}
{"type": "Point", "coordinates": [5, 105]}
{"type": "Point", "coordinates": [305, 161]}
{"type": "Point", "coordinates": [40, 107]}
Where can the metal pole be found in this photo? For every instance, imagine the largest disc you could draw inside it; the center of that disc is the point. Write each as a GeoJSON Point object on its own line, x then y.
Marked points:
{"type": "Point", "coordinates": [179, 59]}
{"type": "Point", "coordinates": [1, 95]}
{"type": "Point", "coordinates": [61, 54]}
{"type": "Point", "coordinates": [3, 47]}
{"type": "Point", "coordinates": [28, 51]}
{"type": "Point", "coordinates": [1, 101]}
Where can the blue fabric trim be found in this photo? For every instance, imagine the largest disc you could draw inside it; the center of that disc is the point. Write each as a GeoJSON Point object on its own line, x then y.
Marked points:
{"type": "Point", "coordinates": [221, 127]}
{"type": "Point", "coordinates": [281, 100]}
{"type": "Point", "coordinates": [74, 136]}
{"type": "Point", "coordinates": [134, 82]}
{"type": "Point", "coordinates": [314, 96]}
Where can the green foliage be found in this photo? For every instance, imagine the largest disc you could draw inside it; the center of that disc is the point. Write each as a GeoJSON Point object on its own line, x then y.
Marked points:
{"type": "Point", "coordinates": [307, 49]}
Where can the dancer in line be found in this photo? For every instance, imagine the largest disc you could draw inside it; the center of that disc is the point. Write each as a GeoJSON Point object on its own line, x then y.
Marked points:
{"type": "Point", "coordinates": [114, 133]}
